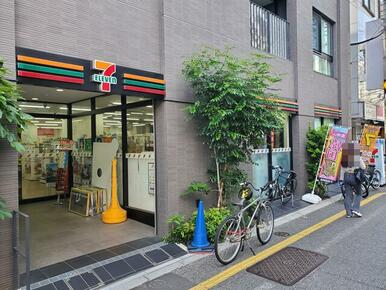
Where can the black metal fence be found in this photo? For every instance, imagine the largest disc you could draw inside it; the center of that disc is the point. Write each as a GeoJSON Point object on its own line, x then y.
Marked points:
{"type": "Point", "coordinates": [21, 249]}
{"type": "Point", "coordinates": [269, 32]}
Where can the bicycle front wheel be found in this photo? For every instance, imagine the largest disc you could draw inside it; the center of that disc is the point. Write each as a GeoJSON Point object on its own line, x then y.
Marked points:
{"type": "Point", "coordinates": [365, 189]}
{"type": "Point", "coordinates": [228, 240]}
{"type": "Point", "coordinates": [265, 223]}
{"type": "Point", "coordinates": [376, 181]}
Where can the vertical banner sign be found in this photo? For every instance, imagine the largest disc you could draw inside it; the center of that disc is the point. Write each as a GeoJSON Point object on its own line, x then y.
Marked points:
{"type": "Point", "coordinates": [332, 155]}
{"type": "Point", "coordinates": [368, 141]}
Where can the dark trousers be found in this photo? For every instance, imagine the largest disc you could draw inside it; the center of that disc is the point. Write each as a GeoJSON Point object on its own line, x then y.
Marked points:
{"type": "Point", "coordinates": [353, 194]}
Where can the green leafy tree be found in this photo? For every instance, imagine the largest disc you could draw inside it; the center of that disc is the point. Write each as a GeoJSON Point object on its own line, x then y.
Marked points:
{"type": "Point", "coordinates": [314, 147]}
{"type": "Point", "coordinates": [4, 213]}
{"type": "Point", "coordinates": [233, 108]}
{"type": "Point", "coordinates": [12, 119]}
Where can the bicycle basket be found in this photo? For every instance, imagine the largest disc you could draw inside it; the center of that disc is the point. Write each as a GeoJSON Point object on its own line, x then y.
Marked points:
{"type": "Point", "coordinates": [245, 193]}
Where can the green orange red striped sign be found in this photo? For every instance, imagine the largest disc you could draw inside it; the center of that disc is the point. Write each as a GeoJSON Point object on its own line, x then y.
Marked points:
{"type": "Point", "coordinates": [132, 82]}
{"type": "Point", "coordinates": [327, 111]}
{"type": "Point", "coordinates": [287, 105]}
{"type": "Point", "coordinates": [39, 68]}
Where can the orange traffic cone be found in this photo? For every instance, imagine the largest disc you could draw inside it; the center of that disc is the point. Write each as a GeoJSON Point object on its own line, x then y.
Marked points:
{"type": "Point", "coordinates": [114, 214]}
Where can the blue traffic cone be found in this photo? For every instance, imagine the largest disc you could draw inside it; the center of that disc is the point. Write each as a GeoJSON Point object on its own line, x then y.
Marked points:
{"type": "Point", "coordinates": [200, 238]}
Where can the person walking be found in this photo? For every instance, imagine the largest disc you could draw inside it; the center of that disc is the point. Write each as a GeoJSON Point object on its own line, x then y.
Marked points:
{"type": "Point", "coordinates": [351, 161]}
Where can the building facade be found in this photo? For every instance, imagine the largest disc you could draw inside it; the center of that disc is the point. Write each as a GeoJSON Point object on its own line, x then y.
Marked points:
{"type": "Point", "coordinates": [367, 94]}
{"type": "Point", "coordinates": [51, 47]}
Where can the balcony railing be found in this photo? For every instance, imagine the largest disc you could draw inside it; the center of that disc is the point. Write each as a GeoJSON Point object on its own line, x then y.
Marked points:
{"type": "Point", "coordinates": [269, 32]}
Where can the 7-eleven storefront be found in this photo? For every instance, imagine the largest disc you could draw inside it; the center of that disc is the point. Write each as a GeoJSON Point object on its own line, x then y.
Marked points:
{"type": "Point", "coordinates": [79, 106]}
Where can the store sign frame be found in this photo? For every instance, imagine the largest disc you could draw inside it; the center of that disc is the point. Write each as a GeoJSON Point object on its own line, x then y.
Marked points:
{"type": "Point", "coordinates": [60, 71]}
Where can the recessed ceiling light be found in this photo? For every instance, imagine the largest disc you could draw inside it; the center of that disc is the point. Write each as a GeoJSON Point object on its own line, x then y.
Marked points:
{"type": "Point", "coordinates": [54, 125]}
{"type": "Point", "coordinates": [116, 103]}
{"type": "Point", "coordinates": [150, 106]}
{"type": "Point", "coordinates": [75, 109]}
{"type": "Point", "coordinates": [136, 113]}
{"type": "Point", "coordinates": [45, 127]}
{"type": "Point", "coordinates": [138, 125]}
{"type": "Point", "coordinates": [132, 119]}
{"type": "Point", "coordinates": [54, 122]}
{"type": "Point", "coordinates": [149, 114]}
{"type": "Point", "coordinates": [148, 120]}
{"type": "Point", "coordinates": [35, 99]}
{"type": "Point", "coordinates": [35, 106]}
{"type": "Point", "coordinates": [59, 90]}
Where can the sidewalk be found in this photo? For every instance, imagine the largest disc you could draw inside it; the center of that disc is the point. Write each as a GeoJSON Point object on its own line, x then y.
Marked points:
{"type": "Point", "coordinates": [283, 214]}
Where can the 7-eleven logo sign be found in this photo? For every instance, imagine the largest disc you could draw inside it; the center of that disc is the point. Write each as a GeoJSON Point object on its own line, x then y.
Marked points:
{"type": "Point", "coordinates": [105, 78]}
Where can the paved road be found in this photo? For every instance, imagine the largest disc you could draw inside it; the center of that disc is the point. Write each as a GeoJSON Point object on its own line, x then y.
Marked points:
{"type": "Point", "coordinates": [356, 249]}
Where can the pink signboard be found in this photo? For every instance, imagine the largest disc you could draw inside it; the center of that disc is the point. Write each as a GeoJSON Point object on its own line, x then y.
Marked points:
{"type": "Point", "coordinates": [332, 155]}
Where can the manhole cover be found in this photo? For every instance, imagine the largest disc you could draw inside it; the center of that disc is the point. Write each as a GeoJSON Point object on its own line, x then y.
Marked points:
{"type": "Point", "coordinates": [288, 266]}
{"type": "Point", "coordinates": [281, 234]}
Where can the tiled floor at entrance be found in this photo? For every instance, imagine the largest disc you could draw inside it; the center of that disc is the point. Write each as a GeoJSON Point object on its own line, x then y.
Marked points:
{"type": "Point", "coordinates": [34, 189]}
{"type": "Point", "coordinates": [58, 235]}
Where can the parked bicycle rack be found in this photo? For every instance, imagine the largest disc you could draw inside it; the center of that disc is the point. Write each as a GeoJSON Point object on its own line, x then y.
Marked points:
{"type": "Point", "coordinates": [17, 251]}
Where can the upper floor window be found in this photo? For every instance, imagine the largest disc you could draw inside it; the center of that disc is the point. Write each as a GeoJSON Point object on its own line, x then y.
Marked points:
{"type": "Point", "coordinates": [369, 5]}
{"type": "Point", "coordinates": [322, 44]}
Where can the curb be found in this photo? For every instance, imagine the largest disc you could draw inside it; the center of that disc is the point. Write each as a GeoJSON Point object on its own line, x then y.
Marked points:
{"type": "Point", "coordinates": [165, 268]}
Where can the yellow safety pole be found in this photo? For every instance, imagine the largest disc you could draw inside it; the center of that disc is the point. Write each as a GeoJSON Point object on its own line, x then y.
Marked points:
{"type": "Point", "coordinates": [114, 214]}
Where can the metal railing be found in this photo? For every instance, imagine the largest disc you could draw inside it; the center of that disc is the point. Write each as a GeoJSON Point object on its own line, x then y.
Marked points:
{"type": "Point", "coordinates": [269, 32]}
{"type": "Point", "coordinates": [21, 248]}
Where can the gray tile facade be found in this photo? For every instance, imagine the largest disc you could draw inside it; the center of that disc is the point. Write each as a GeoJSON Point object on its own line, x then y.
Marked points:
{"type": "Point", "coordinates": [157, 35]}
{"type": "Point", "coordinates": [9, 192]}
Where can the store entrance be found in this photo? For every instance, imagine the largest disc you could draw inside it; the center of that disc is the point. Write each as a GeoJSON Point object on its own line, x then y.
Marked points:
{"type": "Point", "coordinates": [58, 164]}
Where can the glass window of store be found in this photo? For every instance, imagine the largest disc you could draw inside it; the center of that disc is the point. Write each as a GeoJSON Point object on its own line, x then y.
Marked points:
{"type": "Point", "coordinates": [41, 160]}
{"type": "Point", "coordinates": [328, 122]}
{"type": "Point", "coordinates": [322, 44]}
{"type": "Point", "coordinates": [140, 158]}
{"type": "Point", "coordinates": [317, 122]}
{"type": "Point", "coordinates": [281, 154]}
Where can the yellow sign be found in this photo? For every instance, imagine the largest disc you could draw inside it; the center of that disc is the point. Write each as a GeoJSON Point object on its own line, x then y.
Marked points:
{"type": "Point", "coordinates": [368, 141]}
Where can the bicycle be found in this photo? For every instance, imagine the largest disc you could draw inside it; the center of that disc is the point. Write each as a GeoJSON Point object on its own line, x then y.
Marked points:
{"type": "Point", "coordinates": [364, 188]}
{"type": "Point", "coordinates": [283, 190]}
{"type": "Point", "coordinates": [234, 230]}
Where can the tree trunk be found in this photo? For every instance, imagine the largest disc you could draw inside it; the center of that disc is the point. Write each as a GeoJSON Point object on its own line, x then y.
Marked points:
{"type": "Point", "coordinates": [219, 186]}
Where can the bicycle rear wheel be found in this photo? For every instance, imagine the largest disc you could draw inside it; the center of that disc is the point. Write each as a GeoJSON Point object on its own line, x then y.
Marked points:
{"type": "Point", "coordinates": [376, 181]}
{"type": "Point", "coordinates": [265, 223]}
{"type": "Point", "coordinates": [288, 191]}
{"type": "Point", "coordinates": [228, 240]}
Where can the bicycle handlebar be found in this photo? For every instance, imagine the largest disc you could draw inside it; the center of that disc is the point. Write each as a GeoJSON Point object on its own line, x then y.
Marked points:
{"type": "Point", "coordinates": [247, 183]}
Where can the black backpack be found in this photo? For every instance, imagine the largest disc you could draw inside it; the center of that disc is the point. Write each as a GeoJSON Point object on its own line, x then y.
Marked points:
{"type": "Point", "coordinates": [360, 175]}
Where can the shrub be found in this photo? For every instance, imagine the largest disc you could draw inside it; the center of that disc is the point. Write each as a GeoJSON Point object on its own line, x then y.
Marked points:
{"type": "Point", "coordinates": [181, 229]}
{"type": "Point", "coordinates": [314, 147]}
